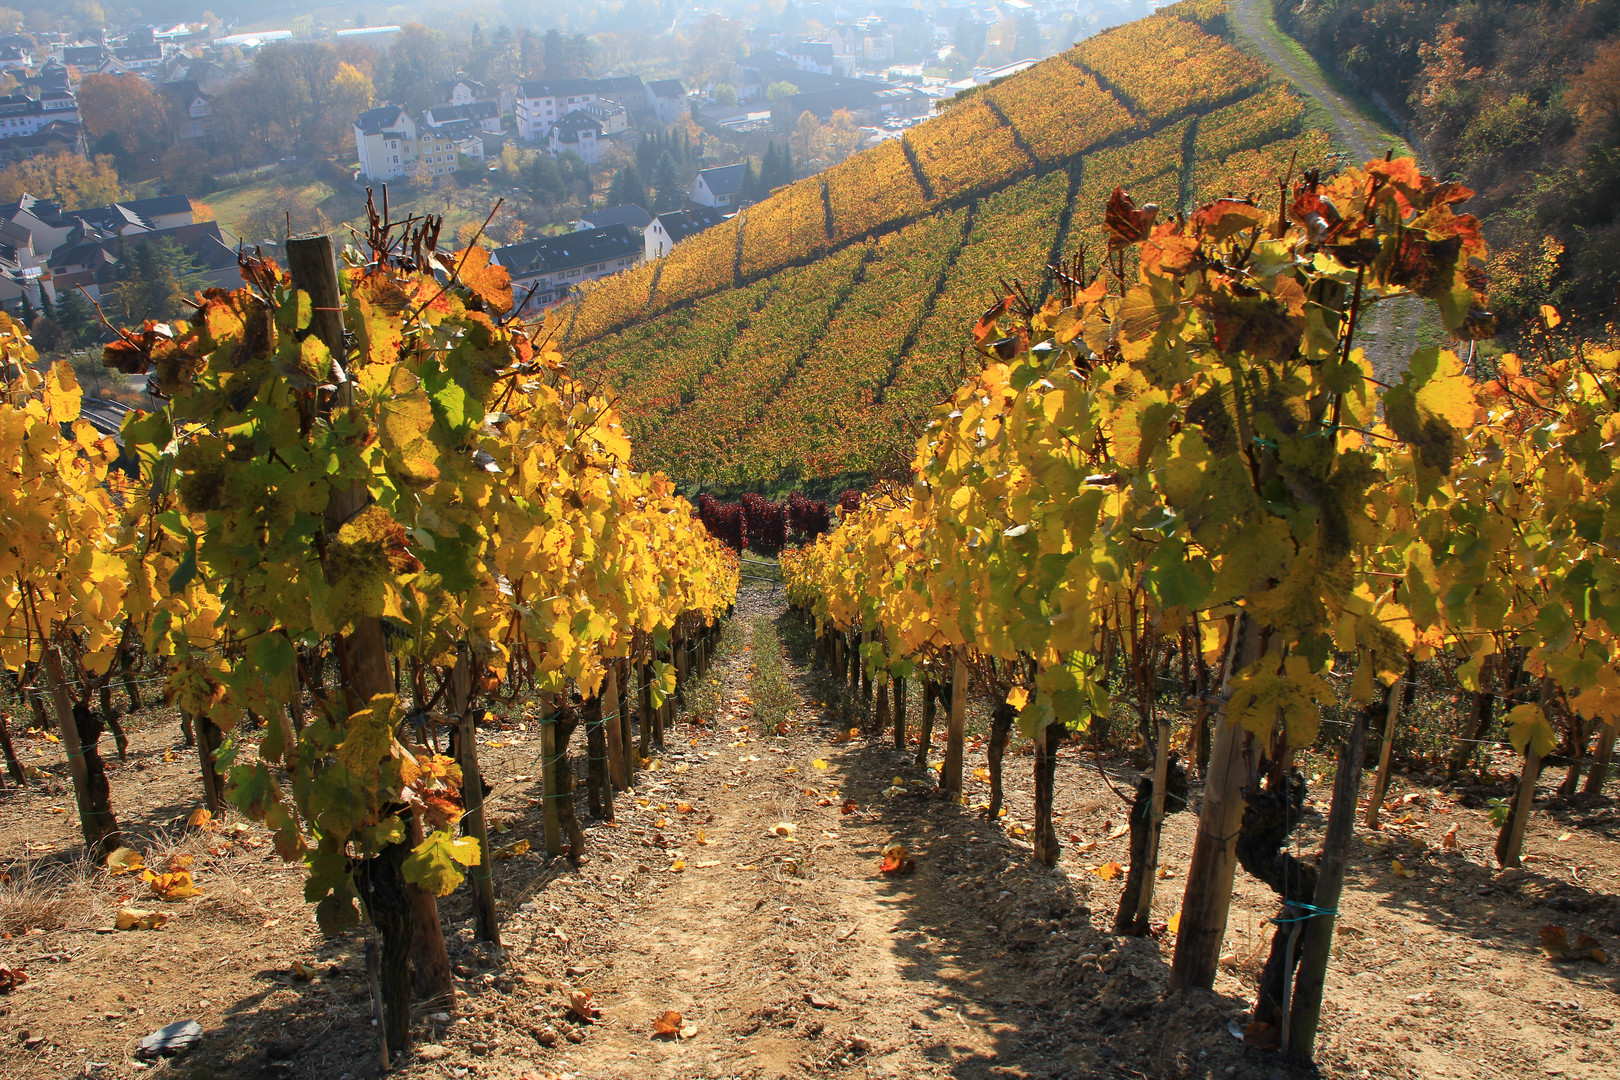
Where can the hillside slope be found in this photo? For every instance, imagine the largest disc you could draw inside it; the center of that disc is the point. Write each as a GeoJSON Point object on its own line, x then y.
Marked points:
{"type": "Point", "coordinates": [806, 337]}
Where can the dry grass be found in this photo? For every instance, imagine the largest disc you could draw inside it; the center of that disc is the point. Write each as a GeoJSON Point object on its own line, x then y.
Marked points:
{"type": "Point", "coordinates": [45, 895]}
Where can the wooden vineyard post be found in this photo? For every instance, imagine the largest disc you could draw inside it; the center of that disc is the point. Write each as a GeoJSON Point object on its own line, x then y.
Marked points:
{"type": "Point", "coordinates": [549, 793]}
{"type": "Point", "coordinates": [208, 742]}
{"type": "Point", "coordinates": [1150, 863]}
{"type": "Point", "coordinates": [866, 671]}
{"type": "Point", "coordinates": [1305, 1014]}
{"type": "Point", "coordinates": [899, 712]}
{"type": "Point", "coordinates": [683, 661]}
{"type": "Point", "coordinates": [313, 267]}
{"type": "Point", "coordinates": [1510, 844]}
{"type": "Point", "coordinates": [617, 765]}
{"type": "Point", "coordinates": [950, 774]}
{"type": "Point", "coordinates": [1605, 753]}
{"type": "Point", "coordinates": [90, 788]}
{"type": "Point", "coordinates": [1208, 896]}
{"type": "Point", "coordinates": [880, 713]}
{"type": "Point", "coordinates": [925, 732]}
{"type": "Point", "coordinates": [487, 924]}
{"type": "Point", "coordinates": [1375, 801]}
{"type": "Point", "coordinates": [13, 766]}
{"type": "Point", "coordinates": [644, 706]}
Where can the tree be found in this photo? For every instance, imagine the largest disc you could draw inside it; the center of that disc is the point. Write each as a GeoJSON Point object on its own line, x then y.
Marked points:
{"type": "Point", "coordinates": [668, 194]}
{"type": "Point", "coordinates": [154, 278]}
{"type": "Point", "coordinates": [76, 318]}
{"type": "Point", "coordinates": [725, 94]}
{"type": "Point", "coordinates": [779, 90]}
{"type": "Point", "coordinates": [579, 58]}
{"type": "Point", "coordinates": [123, 107]}
{"type": "Point", "coordinates": [552, 53]}
{"type": "Point", "coordinates": [1594, 94]}
{"type": "Point", "coordinates": [29, 314]}
{"type": "Point", "coordinates": [352, 91]}
{"type": "Point", "coordinates": [73, 181]}
{"type": "Point", "coordinates": [419, 59]}
{"type": "Point", "coordinates": [626, 187]}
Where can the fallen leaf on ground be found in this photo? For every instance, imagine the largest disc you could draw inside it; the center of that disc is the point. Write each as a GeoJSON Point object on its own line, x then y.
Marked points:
{"type": "Point", "coordinates": [512, 851]}
{"type": "Point", "coordinates": [125, 861]}
{"type": "Point", "coordinates": [300, 971]}
{"type": "Point", "coordinates": [896, 860]}
{"type": "Point", "coordinates": [677, 866]}
{"type": "Point", "coordinates": [1448, 841]}
{"type": "Point", "coordinates": [819, 763]}
{"type": "Point", "coordinates": [1175, 923]}
{"type": "Point", "coordinates": [176, 885]}
{"type": "Point", "coordinates": [11, 978]}
{"type": "Point", "coordinates": [688, 1031]}
{"type": "Point", "coordinates": [201, 818]}
{"type": "Point", "coordinates": [816, 1001]}
{"type": "Point", "coordinates": [1119, 832]}
{"type": "Point", "coordinates": [702, 837]}
{"type": "Point", "coordinates": [1108, 871]}
{"type": "Point", "coordinates": [139, 919]}
{"type": "Point", "coordinates": [683, 808]}
{"type": "Point", "coordinates": [1400, 870]}
{"type": "Point", "coordinates": [849, 806]}
{"type": "Point", "coordinates": [1556, 944]}
{"type": "Point", "coordinates": [579, 1003]}
{"type": "Point", "coordinates": [784, 828]}
{"type": "Point", "coordinates": [668, 1024]}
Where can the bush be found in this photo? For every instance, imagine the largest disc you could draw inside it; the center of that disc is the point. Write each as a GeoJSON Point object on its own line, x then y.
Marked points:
{"type": "Point", "coordinates": [765, 522]}
{"type": "Point", "coordinates": [808, 517]}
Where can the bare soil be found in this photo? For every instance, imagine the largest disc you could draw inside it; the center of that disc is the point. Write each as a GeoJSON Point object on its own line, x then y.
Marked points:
{"type": "Point", "coordinates": [794, 956]}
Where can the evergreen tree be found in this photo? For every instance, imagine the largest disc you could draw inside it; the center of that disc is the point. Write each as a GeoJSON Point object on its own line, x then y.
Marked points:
{"type": "Point", "coordinates": [154, 279]}
{"type": "Point", "coordinates": [667, 191]}
{"type": "Point", "coordinates": [750, 183]}
{"type": "Point", "coordinates": [576, 176]}
{"type": "Point", "coordinates": [76, 318]}
{"type": "Point", "coordinates": [646, 152]}
{"type": "Point", "coordinates": [46, 307]}
{"type": "Point", "coordinates": [554, 58]}
{"type": "Point", "coordinates": [546, 180]}
{"type": "Point", "coordinates": [28, 313]}
{"type": "Point", "coordinates": [626, 187]}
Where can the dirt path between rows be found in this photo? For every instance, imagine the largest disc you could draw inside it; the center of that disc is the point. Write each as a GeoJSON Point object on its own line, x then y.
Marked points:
{"type": "Point", "coordinates": [794, 956]}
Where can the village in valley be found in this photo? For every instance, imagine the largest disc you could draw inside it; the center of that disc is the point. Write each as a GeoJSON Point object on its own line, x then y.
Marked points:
{"type": "Point", "coordinates": [131, 146]}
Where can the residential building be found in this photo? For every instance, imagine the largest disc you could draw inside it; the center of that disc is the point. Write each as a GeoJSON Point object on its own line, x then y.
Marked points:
{"type": "Point", "coordinates": [547, 270]}
{"type": "Point", "coordinates": [669, 229]}
{"type": "Point", "coordinates": [86, 58]}
{"type": "Point", "coordinates": [56, 137]}
{"type": "Point", "coordinates": [719, 186]}
{"type": "Point", "coordinates": [389, 144]}
{"type": "Point", "coordinates": [385, 143]}
{"type": "Point", "coordinates": [461, 101]}
{"type": "Point", "coordinates": [15, 58]}
{"type": "Point", "coordinates": [612, 117]}
{"type": "Point", "coordinates": [437, 152]}
{"type": "Point", "coordinates": [191, 112]}
{"type": "Point", "coordinates": [667, 99]}
{"type": "Point", "coordinates": [627, 90]}
{"type": "Point", "coordinates": [579, 132]}
{"type": "Point", "coordinates": [631, 216]}
{"type": "Point", "coordinates": [484, 115]}
{"type": "Point", "coordinates": [541, 103]}
{"type": "Point", "coordinates": [23, 115]}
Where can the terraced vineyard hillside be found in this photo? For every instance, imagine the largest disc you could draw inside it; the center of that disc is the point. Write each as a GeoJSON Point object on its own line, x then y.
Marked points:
{"type": "Point", "coordinates": [806, 336]}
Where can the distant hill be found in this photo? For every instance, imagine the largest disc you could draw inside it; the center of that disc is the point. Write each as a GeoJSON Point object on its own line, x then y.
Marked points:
{"type": "Point", "coordinates": [806, 337]}
{"type": "Point", "coordinates": [1518, 99]}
